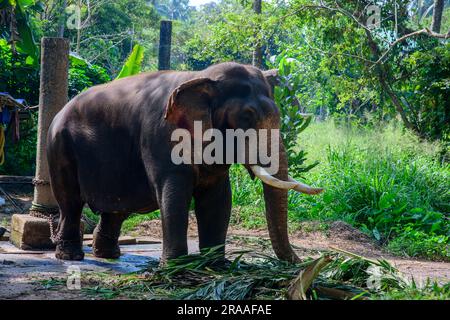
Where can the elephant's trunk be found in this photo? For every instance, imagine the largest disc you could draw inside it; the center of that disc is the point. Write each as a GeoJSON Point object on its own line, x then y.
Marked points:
{"type": "Point", "coordinates": [276, 213]}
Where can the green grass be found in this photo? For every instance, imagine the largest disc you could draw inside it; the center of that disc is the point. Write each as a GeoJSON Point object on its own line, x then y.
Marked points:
{"type": "Point", "coordinates": [134, 220]}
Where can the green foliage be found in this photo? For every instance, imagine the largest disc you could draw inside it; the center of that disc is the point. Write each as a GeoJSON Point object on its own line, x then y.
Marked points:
{"type": "Point", "coordinates": [382, 180]}
{"type": "Point", "coordinates": [382, 193]}
{"type": "Point", "coordinates": [429, 291]}
{"type": "Point", "coordinates": [91, 215]}
{"type": "Point", "coordinates": [21, 32]}
{"type": "Point", "coordinates": [229, 31]}
{"type": "Point", "coordinates": [18, 78]}
{"type": "Point", "coordinates": [415, 243]}
{"type": "Point", "coordinates": [111, 31]}
{"type": "Point", "coordinates": [293, 122]}
{"type": "Point", "coordinates": [427, 89]}
{"type": "Point", "coordinates": [132, 65]}
{"type": "Point", "coordinates": [173, 9]}
{"type": "Point", "coordinates": [83, 75]}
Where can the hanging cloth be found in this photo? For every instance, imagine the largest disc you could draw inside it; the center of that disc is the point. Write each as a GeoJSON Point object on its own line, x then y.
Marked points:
{"type": "Point", "coordinates": [15, 124]}
{"type": "Point", "coordinates": [2, 145]}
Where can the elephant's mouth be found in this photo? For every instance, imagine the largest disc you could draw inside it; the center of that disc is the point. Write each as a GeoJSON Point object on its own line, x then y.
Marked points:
{"type": "Point", "coordinates": [293, 184]}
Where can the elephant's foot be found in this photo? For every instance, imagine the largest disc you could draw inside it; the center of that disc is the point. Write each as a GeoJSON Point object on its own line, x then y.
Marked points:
{"type": "Point", "coordinates": [69, 250]}
{"type": "Point", "coordinates": [105, 246]}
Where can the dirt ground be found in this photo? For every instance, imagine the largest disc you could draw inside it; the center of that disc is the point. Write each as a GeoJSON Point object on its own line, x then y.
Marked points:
{"type": "Point", "coordinates": [31, 276]}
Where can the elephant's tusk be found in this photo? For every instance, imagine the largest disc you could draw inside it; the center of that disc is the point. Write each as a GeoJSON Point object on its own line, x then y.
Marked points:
{"type": "Point", "coordinates": [270, 180]}
{"type": "Point", "coordinates": [304, 188]}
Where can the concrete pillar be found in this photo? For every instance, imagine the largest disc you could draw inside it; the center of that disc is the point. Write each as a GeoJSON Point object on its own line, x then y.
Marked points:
{"type": "Point", "coordinates": [53, 96]}
{"type": "Point", "coordinates": [165, 42]}
{"type": "Point", "coordinates": [33, 231]}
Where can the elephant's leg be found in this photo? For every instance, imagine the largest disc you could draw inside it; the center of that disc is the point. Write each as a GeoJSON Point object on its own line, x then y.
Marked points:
{"type": "Point", "coordinates": [69, 243]}
{"type": "Point", "coordinates": [174, 199]}
{"type": "Point", "coordinates": [213, 208]}
{"type": "Point", "coordinates": [69, 237]}
{"type": "Point", "coordinates": [106, 235]}
{"type": "Point", "coordinates": [66, 189]}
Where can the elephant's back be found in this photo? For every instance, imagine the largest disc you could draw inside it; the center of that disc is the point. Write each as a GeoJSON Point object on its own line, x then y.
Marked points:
{"type": "Point", "coordinates": [100, 132]}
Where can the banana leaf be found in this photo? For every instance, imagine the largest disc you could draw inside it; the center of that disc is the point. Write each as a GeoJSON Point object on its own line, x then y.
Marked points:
{"type": "Point", "coordinates": [133, 64]}
{"type": "Point", "coordinates": [25, 43]}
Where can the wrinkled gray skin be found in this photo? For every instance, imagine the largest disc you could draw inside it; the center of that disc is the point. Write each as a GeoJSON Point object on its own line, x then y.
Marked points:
{"type": "Point", "coordinates": [110, 148]}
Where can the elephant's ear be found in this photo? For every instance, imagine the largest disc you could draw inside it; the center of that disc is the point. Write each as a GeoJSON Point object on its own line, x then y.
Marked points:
{"type": "Point", "coordinates": [191, 101]}
{"type": "Point", "coordinates": [272, 78]}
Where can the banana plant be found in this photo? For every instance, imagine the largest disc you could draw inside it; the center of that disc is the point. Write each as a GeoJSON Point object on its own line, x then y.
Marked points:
{"type": "Point", "coordinates": [133, 64]}
{"type": "Point", "coordinates": [16, 18]}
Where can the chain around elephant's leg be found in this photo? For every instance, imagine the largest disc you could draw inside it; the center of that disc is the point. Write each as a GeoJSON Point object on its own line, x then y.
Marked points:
{"type": "Point", "coordinates": [68, 239]}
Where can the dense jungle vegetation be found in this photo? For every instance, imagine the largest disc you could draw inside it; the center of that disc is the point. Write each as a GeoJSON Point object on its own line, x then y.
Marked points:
{"type": "Point", "coordinates": [365, 110]}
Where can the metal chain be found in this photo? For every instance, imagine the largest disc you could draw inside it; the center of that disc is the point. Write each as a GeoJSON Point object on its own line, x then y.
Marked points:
{"type": "Point", "coordinates": [39, 182]}
{"type": "Point", "coordinates": [48, 213]}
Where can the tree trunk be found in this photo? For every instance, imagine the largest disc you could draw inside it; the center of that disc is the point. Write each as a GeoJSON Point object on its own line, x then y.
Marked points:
{"type": "Point", "coordinates": [62, 19]}
{"type": "Point", "coordinates": [165, 42]}
{"type": "Point", "coordinates": [437, 15]}
{"type": "Point", "coordinates": [383, 73]}
{"type": "Point", "coordinates": [257, 59]}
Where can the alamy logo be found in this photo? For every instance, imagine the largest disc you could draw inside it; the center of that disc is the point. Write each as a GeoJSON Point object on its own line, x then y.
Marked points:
{"type": "Point", "coordinates": [251, 147]}
{"type": "Point", "coordinates": [73, 278]}
{"type": "Point", "coordinates": [374, 17]}
{"type": "Point", "coordinates": [74, 12]}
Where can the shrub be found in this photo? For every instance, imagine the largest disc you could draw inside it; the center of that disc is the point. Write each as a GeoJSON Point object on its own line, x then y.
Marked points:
{"type": "Point", "coordinates": [416, 243]}
{"type": "Point", "coordinates": [382, 180]}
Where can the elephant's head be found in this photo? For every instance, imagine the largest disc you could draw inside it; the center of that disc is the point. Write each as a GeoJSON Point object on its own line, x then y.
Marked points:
{"type": "Point", "coordinates": [235, 96]}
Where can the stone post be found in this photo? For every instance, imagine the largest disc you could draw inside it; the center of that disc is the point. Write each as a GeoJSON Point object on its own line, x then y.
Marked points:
{"type": "Point", "coordinates": [53, 96]}
{"type": "Point", "coordinates": [29, 231]}
{"type": "Point", "coordinates": [165, 42]}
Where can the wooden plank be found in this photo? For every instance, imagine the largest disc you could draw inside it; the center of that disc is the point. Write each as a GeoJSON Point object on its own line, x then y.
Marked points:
{"type": "Point", "coordinates": [127, 240]}
{"type": "Point", "coordinates": [147, 240]}
{"type": "Point", "coordinates": [22, 252]}
{"type": "Point", "coordinates": [16, 179]}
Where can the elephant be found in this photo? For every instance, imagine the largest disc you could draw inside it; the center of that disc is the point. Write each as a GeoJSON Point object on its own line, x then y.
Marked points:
{"type": "Point", "coordinates": [110, 148]}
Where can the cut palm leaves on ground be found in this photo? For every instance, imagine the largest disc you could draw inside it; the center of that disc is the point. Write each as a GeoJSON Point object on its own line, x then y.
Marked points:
{"type": "Point", "coordinates": [250, 275]}
{"type": "Point", "coordinates": [298, 288]}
